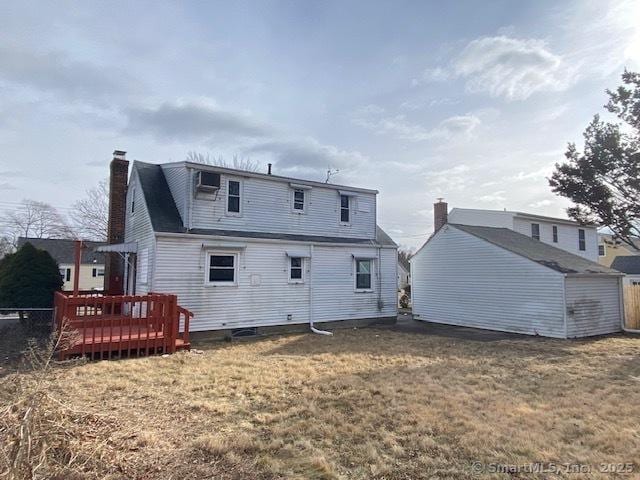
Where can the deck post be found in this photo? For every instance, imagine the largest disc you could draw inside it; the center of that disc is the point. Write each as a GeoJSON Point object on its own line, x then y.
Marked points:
{"type": "Point", "coordinates": [76, 270]}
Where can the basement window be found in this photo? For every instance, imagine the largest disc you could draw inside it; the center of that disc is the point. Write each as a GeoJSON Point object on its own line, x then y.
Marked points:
{"type": "Point", "coordinates": [222, 268]}
{"type": "Point", "coordinates": [582, 242]}
{"type": "Point", "coordinates": [363, 274]}
{"type": "Point", "coordinates": [535, 231]}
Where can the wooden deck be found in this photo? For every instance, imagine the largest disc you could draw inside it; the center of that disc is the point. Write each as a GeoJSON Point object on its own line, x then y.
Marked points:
{"type": "Point", "coordinates": [100, 327]}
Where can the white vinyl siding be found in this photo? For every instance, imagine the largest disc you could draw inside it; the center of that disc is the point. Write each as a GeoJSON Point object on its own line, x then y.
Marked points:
{"type": "Point", "coordinates": [460, 279]}
{"type": "Point", "coordinates": [267, 206]}
{"type": "Point", "coordinates": [567, 236]}
{"type": "Point", "coordinates": [138, 228]}
{"type": "Point", "coordinates": [264, 293]}
{"type": "Point", "coordinates": [593, 306]}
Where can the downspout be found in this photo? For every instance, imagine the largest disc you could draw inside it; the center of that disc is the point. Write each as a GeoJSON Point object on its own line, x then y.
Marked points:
{"type": "Point", "coordinates": [622, 313]}
{"type": "Point", "coordinates": [379, 279]}
{"type": "Point", "coordinates": [313, 329]}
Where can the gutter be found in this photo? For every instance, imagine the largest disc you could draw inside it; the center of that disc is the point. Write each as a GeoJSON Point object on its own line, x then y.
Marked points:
{"type": "Point", "coordinates": [313, 329]}
{"type": "Point", "coordinates": [370, 244]}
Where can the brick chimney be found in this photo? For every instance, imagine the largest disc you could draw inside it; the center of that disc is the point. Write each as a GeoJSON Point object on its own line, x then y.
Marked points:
{"type": "Point", "coordinates": [114, 268]}
{"type": "Point", "coordinates": [440, 214]}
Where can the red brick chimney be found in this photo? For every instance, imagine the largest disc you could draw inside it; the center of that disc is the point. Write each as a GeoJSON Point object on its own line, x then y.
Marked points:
{"type": "Point", "coordinates": [440, 214]}
{"type": "Point", "coordinates": [114, 268]}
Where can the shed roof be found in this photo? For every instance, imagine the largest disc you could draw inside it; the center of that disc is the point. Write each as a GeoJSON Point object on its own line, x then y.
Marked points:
{"type": "Point", "coordinates": [537, 251]}
{"type": "Point", "coordinates": [63, 250]}
{"type": "Point", "coordinates": [629, 264]}
{"type": "Point", "coordinates": [165, 217]}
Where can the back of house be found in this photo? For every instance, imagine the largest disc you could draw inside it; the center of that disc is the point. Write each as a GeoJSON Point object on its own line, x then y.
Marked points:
{"type": "Point", "coordinates": [245, 249]}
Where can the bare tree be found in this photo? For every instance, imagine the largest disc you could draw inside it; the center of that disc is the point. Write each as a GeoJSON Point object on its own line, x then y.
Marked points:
{"type": "Point", "coordinates": [36, 220]}
{"type": "Point", "coordinates": [5, 246]}
{"type": "Point", "coordinates": [91, 214]}
{"type": "Point", "coordinates": [238, 163]}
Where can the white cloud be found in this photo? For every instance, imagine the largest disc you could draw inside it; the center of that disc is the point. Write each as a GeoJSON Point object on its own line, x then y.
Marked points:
{"type": "Point", "coordinates": [449, 179]}
{"type": "Point", "coordinates": [512, 68]}
{"type": "Point", "coordinates": [460, 126]}
{"type": "Point", "coordinates": [437, 74]}
{"type": "Point", "coordinates": [541, 203]}
{"type": "Point", "coordinates": [495, 197]}
{"type": "Point", "coordinates": [308, 156]}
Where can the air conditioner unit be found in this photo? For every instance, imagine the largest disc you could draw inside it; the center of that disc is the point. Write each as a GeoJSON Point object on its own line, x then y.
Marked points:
{"type": "Point", "coordinates": [208, 181]}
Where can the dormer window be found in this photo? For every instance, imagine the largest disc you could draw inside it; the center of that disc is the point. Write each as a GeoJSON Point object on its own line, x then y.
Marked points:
{"type": "Point", "coordinates": [298, 200]}
{"type": "Point", "coordinates": [582, 241]}
{"type": "Point", "coordinates": [535, 231]}
{"type": "Point", "coordinates": [233, 197]}
{"type": "Point", "coordinates": [345, 210]}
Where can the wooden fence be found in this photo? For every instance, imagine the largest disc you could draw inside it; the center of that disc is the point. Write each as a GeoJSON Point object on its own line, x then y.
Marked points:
{"type": "Point", "coordinates": [632, 306]}
{"type": "Point", "coordinates": [101, 326]}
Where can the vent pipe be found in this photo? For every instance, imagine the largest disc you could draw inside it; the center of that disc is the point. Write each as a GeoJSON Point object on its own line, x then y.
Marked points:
{"type": "Point", "coordinates": [268, 169]}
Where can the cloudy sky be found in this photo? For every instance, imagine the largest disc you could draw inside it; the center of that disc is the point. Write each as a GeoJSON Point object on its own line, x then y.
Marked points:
{"type": "Point", "coordinates": [470, 102]}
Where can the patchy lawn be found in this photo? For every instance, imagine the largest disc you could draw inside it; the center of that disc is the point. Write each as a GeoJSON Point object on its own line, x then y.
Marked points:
{"type": "Point", "coordinates": [362, 404]}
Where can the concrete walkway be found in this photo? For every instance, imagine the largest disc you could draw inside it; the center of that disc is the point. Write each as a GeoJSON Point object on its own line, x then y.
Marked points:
{"type": "Point", "coordinates": [407, 324]}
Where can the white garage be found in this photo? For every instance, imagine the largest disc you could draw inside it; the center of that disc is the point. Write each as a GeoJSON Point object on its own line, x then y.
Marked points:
{"type": "Point", "coordinates": [498, 279]}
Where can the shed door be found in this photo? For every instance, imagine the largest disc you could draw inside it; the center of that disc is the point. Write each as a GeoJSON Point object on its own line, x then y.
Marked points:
{"type": "Point", "coordinates": [593, 306]}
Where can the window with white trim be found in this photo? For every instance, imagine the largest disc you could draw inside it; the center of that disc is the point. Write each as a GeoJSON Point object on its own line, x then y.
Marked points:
{"type": "Point", "coordinates": [65, 273]}
{"type": "Point", "coordinates": [97, 272]}
{"type": "Point", "coordinates": [133, 199]}
{"type": "Point", "coordinates": [233, 197]}
{"type": "Point", "coordinates": [555, 233]}
{"type": "Point", "coordinates": [298, 200]}
{"type": "Point", "coordinates": [345, 211]}
{"type": "Point", "coordinates": [535, 231]}
{"type": "Point", "coordinates": [602, 250]}
{"type": "Point", "coordinates": [296, 269]}
{"type": "Point", "coordinates": [582, 241]}
{"type": "Point", "coordinates": [363, 274]}
{"type": "Point", "coordinates": [222, 268]}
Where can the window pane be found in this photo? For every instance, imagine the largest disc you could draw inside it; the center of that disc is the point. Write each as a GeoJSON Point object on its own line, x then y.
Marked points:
{"type": "Point", "coordinates": [221, 275]}
{"type": "Point", "coordinates": [298, 195]}
{"type": "Point", "coordinates": [221, 260]}
{"type": "Point", "coordinates": [296, 262]}
{"type": "Point", "coordinates": [296, 273]}
{"type": "Point", "coordinates": [344, 214]}
{"type": "Point", "coordinates": [363, 280]}
{"type": "Point", "coordinates": [234, 204]}
{"type": "Point", "coordinates": [344, 201]}
{"type": "Point", "coordinates": [234, 188]}
{"type": "Point", "coordinates": [364, 266]}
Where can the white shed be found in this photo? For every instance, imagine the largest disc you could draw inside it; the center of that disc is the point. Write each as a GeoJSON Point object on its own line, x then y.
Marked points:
{"type": "Point", "coordinates": [499, 279]}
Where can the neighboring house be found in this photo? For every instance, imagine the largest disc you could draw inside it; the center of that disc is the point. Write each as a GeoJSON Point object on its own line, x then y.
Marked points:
{"type": "Point", "coordinates": [499, 279]}
{"type": "Point", "coordinates": [566, 234]}
{"type": "Point", "coordinates": [404, 273]}
{"type": "Point", "coordinates": [244, 249]}
{"type": "Point", "coordinates": [63, 251]}
{"type": "Point", "coordinates": [609, 249]}
{"type": "Point", "coordinates": [630, 266]}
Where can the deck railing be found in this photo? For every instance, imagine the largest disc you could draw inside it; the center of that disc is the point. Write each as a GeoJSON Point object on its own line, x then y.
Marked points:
{"type": "Point", "coordinates": [102, 326]}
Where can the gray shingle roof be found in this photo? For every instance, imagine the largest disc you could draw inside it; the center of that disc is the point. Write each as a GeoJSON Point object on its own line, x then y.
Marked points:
{"type": "Point", "coordinates": [629, 264]}
{"type": "Point", "coordinates": [166, 218]}
{"type": "Point", "coordinates": [62, 250]}
{"type": "Point", "coordinates": [536, 251]}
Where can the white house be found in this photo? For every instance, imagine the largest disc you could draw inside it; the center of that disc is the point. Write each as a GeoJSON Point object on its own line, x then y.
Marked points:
{"type": "Point", "coordinates": [566, 234]}
{"type": "Point", "coordinates": [496, 278]}
{"type": "Point", "coordinates": [63, 252]}
{"type": "Point", "coordinates": [630, 266]}
{"type": "Point", "coordinates": [244, 249]}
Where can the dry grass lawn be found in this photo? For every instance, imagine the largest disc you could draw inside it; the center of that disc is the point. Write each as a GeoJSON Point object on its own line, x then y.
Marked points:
{"type": "Point", "coordinates": [364, 404]}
